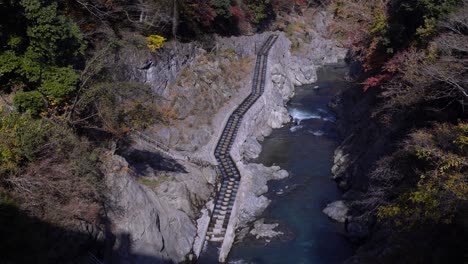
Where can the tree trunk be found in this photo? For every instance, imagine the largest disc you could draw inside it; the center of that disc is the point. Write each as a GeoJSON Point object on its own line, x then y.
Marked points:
{"type": "Point", "coordinates": [175, 19]}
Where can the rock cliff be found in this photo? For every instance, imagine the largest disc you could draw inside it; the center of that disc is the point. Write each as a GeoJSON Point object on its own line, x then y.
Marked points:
{"type": "Point", "coordinates": [159, 186]}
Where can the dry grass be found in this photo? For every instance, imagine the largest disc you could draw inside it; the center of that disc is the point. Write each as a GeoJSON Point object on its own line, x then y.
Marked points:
{"type": "Point", "coordinates": [154, 184]}
{"type": "Point", "coordinates": [203, 87]}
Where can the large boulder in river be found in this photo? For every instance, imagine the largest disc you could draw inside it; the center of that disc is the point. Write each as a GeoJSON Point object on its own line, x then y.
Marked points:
{"type": "Point", "coordinates": [337, 211]}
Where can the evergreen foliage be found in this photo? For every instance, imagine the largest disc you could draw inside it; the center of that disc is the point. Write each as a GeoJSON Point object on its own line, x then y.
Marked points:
{"type": "Point", "coordinates": [38, 57]}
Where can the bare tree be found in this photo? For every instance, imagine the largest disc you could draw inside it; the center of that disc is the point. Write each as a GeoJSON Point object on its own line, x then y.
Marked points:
{"type": "Point", "coordinates": [151, 13]}
{"type": "Point", "coordinates": [175, 18]}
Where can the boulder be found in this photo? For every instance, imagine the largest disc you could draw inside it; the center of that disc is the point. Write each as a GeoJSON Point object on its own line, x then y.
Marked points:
{"type": "Point", "coordinates": [262, 230]}
{"type": "Point", "coordinates": [337, 211]}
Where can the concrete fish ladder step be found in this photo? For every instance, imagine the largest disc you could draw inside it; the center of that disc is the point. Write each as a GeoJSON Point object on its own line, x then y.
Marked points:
{"type": "Point", "coordinates": [227, 168]}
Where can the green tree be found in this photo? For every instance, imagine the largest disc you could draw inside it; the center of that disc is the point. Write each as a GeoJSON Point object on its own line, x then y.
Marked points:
{"type": "Point", "coordinates": [54, 37]}
{"type": "Point", "coordinates": [222, 8]}
{"type": "Point", "coordinates": [38, 57]}
{"type": "Point", "coordinates": [59, 83]}
{"type": "Point", "coordinates": [260, 9]}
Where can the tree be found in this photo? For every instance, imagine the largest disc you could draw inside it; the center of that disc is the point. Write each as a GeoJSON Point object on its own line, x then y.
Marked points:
{"type": "Point", "coordinates": [439, 178]}
{"type": "Point", "coordinates": [222, 8]}
{"type": "Point", "coordinates": [436, 76]}
{"type": "Point", "coordinates": [39, 56]}
{"type": "Point", "coordinates": [53, 37]}
{"type": "Point", "coordinates": [31, 102]}
{"type": "Point", "coordinates": [150, 14]}
{"type": "Point", "coordinates": [260, 10]}
{"type": "Point", "coordinates": [175, 18]}
{"type": "Point", "coordinates": [59, 84]}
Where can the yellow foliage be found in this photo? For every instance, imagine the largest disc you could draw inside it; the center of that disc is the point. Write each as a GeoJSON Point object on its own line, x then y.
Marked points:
{"type": "Point", "coordinates": [462, 140]}
{"type": "Point", "coordinates": [155, 42]}
{"type": "Point", "coordinates": [442, 184]}
{"type": "Point", "coordinates": [379, 22]}
{"type": "Point", "coordinates": [450, 163]}
{"type": "Point", "coordinates": [423, 154]}
{"type": "Point", "coordinates": [388, 211]}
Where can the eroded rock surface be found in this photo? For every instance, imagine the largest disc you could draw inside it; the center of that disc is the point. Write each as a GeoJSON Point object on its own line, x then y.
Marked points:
{"type": "Point", "coordinates": [153, 218]}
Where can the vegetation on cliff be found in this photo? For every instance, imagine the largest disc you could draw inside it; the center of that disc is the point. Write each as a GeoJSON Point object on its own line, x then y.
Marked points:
{"type": "Point", "coordinates": [414, 55]}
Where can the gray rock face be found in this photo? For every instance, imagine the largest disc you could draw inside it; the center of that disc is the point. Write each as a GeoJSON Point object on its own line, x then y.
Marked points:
{"type": "Point", "coordinates": [337, 211]}
{"type": "Point", "coordinates": [152, 226]}
{"type": "Point", "coordinates": [165, 67]}
{"type": "Point", "coordinates": [316, 50]}
{"type": "Point", "coordinates": [252, 149]}
{"type": "Point", "coordinates": [253, 186]}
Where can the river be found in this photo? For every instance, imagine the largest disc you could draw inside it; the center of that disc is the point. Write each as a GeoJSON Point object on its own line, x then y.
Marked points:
{"type": "Point", "coordinates": [305, 149]}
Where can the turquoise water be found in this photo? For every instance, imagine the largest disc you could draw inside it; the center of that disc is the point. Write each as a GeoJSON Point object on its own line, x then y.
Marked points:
{"type": "Point", "coordinates": [305, 149]}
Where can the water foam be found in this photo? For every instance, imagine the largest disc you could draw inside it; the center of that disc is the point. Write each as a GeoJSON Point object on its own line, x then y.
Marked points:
{"type": "Point", "coordinates": [295, 128]}
{"type": "Point", "coordinates": [317, 133]}
{"type": "Point", "coordinates": [299, 115]}
{"type": "Point", "coordinates": [240, 261]}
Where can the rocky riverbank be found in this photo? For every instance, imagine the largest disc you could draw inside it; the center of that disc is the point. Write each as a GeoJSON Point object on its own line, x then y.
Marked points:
{"type": "Point", "coordinates": [160, 185]}
{"type": "Point", "coordinates": [365, 140]}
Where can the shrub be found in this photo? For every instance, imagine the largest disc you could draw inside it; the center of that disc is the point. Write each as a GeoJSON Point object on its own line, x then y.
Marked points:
{"type": "Point", "coordinates": [222, 8]}
{"type": "Point", "coordinates": [59, 83]}
{"type": "Point", "coordinates": [119, 107]}
{"type": "Point", "coordinates": [31, 102]}
{"type": "Point", "coordinates": [260, 10]}
{"type": "Point", "coordinates": [155, 42]}
{"type": "Point", "coordinates": [21, 140]}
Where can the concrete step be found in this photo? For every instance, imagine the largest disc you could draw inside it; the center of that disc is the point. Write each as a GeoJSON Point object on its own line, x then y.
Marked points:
{"type": "Point", "coordinates": [220, 218]}
{"type": "Point", "coordinates": [215, 239]}
{"type": "Point", "coordinates": [216, 233]}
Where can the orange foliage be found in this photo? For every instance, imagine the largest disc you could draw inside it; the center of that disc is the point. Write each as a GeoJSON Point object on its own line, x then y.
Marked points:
{"type": "Point", "coordinates": [375, 81]}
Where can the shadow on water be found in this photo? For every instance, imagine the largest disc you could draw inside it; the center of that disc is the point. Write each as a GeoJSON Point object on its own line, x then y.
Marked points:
{"type": "Point", "coordinates": [304, 148]}
{"type": "Point", "coordinates": [141, 160]}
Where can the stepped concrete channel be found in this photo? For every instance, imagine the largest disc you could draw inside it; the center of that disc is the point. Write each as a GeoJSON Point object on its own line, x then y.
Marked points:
{"type": "Point", "coordinates": [229, 173]}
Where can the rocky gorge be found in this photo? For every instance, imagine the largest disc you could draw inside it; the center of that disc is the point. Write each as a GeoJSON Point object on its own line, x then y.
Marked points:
{"type": "Point", "coordinates": [240, 131]}
{"type": "Point", "coordinates": [162, 184]}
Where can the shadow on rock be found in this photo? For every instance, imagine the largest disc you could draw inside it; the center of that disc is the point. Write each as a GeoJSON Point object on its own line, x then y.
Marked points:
{"type": "Point", "coordinates": [142, 160]}
{"type": "Point", "coordinates": [123, 253]}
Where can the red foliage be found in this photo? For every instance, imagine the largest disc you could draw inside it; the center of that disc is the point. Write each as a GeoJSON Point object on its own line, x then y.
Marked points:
{"type": "Point", "coordinates": [301, 2]}
{"type": "Point", "coordinates": [288, 4]}
{"type": "Point", "coordinates": [375, 81]}
{"type": "Point", "coordinates": [204, 13]}
{"type": "Point", "coordinates": [396, 62]}
{"type": "Point", "coordinates": [243, 17]}
{"type": "Point", "coordinates": [236, 11]}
